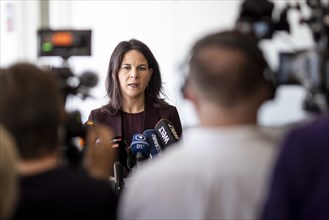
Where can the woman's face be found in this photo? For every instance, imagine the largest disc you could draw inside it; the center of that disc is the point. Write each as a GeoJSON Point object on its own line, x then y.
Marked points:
{"type": "Point", "coordinates": [134, 74]}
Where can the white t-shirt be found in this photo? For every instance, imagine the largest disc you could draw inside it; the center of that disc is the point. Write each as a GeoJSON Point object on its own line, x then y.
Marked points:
{"type": "Point", "coordinates": [214, 173]}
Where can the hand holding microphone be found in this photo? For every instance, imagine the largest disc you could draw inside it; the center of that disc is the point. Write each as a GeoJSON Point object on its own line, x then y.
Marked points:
{"type": "Point", "coordinates": [100, 155]}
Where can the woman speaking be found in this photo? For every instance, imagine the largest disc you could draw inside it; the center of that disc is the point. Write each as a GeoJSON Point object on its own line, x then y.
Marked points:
{"type": "Point", "coordinates": [134, 87]}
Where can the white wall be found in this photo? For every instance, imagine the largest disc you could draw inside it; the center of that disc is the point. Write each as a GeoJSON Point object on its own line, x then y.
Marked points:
{"type": "Point", "coordinates": [18, 28]}
{"type": "Point", "coordinates": [169, 28]}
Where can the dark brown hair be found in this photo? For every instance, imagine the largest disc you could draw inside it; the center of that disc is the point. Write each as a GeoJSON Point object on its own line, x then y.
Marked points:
{"type": "Point", "coordinates": [154, 90]}
{"type": "Point", "coordinates": [239, 80]}
{"type": "Point", "coordinates": [30, 109]}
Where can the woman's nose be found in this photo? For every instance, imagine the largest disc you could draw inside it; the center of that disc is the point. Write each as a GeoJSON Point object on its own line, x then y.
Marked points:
{"type": "Point", "coordinates": [133, 73]}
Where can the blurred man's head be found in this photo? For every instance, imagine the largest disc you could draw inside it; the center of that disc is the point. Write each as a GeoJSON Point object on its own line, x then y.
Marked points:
{"type": "Point", "coordinates": [226, 69]}
{"type": "Point", "coordinates": [30, 109]}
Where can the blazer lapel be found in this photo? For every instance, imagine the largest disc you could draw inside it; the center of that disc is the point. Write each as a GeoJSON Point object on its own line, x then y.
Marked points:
{"type": "Point", "coordinates": [116, 122]}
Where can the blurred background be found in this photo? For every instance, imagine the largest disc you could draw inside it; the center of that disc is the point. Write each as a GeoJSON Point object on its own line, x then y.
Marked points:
{"type": "Point", "coordinates": [169, 28]}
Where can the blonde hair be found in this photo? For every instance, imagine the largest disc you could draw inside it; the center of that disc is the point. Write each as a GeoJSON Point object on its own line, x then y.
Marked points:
{"type": "Point", "coordinates": [8, 174]}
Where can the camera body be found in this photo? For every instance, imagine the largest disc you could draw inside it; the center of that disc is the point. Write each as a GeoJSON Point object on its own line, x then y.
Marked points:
{"type": "Point", "coordinates": [66, 43]}
{"type": "Point", "coordinates": [308, 68]}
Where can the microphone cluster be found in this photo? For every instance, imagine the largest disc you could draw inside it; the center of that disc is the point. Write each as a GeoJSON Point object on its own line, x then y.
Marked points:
{"type": "Point", "coordinates": [153, 141]}
{"type": "Point", "coordinates": [144, 146]}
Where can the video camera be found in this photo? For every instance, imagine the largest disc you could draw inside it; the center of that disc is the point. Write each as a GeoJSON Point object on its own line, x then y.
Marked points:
{"type": "Point", "coordinates": [309, 67]}
{"type": "Point", "coordinates": [66, 43]}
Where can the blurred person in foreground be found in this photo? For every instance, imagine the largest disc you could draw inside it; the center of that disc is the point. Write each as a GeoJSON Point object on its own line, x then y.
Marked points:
{"type": "Point", "coordinates": [8, 174]}
{"type": "Point", "coordinates": [134, 88]}
{"type": "Point", "coordinates": [220, 170]}
{"type": "Point", "coordinates": [299, 188]}
{"type": "Point", "coordinates": [33, 112]}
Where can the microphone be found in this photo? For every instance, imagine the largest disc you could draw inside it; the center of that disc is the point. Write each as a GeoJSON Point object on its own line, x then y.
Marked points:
{"type": "Point", "coordinates": [118, 177]}
{"type": "Point", "coordinates": [140, 148]}
{"type": "Point", "coordinates": [166, 132]}
{"type": "Point", "coordinates": [120, 147]}
{"type": "Point", "coordinates": [155, 144]}
{"type": "Point", "coordinates": [119, 142]}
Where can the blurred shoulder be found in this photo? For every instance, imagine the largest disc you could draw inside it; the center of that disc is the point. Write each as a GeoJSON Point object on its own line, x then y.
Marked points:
{"type": "Point", "coordinates": [166, 108]}
{"type": "Point", "coordinates": [316, 128]}
{"type": "Point", "coordinates": [101, 110]}
{"type": "Point", "coordinates": [309, 139]}
{"type": "Point", "coordinates": [99, 114]}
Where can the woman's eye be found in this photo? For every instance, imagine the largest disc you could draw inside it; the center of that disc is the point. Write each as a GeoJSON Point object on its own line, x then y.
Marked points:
{"type": "Point", "coordinates": [127, 67]}
{"type": "Point", "coordinates": [142, 68]}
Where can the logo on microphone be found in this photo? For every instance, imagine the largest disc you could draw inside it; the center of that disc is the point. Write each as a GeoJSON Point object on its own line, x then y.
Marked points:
{"type": "Point", "coordinates": [173, 130]}
{"type": "Point", "coordinates": [140, 137]}
{"type": "Point", "coordinates": [139, 146]}
{"type": "Point", "coordinates": [164, 134]}
{"type": "Point", "coordinates": [156, 142]}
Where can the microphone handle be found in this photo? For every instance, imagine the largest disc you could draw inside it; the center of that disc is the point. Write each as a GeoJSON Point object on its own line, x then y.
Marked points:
{"type": "Point", "coordinates": [139, 158]}
{"type": "Point", "coordinates": [118, 177]}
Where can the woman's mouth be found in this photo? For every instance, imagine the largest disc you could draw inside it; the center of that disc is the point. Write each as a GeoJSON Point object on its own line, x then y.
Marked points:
{"type": "Point", "coordinates": [133, 85]}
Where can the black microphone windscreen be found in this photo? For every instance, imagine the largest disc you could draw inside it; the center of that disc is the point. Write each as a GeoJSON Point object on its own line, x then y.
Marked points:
{"type": "Point", "coordinates": [166, 132]}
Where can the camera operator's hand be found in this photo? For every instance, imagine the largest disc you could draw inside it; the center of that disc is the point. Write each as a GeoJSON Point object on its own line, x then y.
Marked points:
{"type": "Point", "coordinates": [99, 156]}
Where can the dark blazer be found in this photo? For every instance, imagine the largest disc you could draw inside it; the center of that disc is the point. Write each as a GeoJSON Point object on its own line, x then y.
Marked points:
{"type": "Point", "coordinates": [153, 115]}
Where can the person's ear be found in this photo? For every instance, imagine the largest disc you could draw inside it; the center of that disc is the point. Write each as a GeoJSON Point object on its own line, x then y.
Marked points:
{"type": "Point", "coordinates": [188, 92]}
{"type": "Point", "coordinates": [265, 94]}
